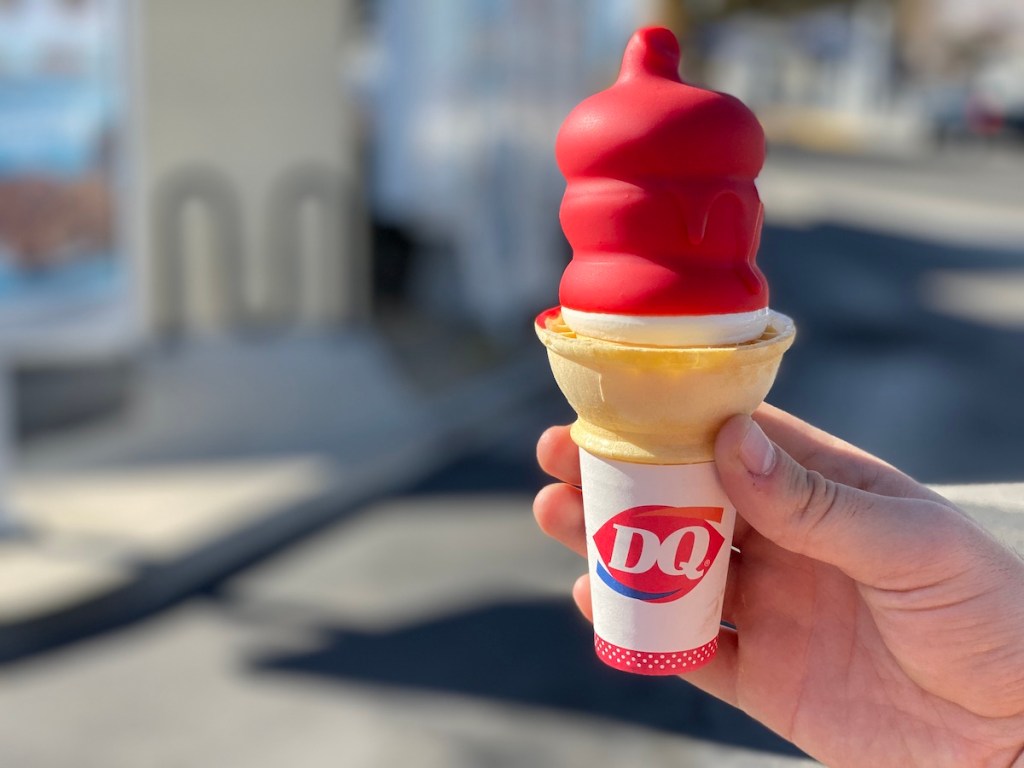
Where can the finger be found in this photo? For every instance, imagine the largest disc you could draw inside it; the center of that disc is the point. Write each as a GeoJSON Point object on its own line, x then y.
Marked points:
{"type": "Point", "coordinates": [718, 676]}
{"type": "Point", "coordinates": [836, 459]}
{"type": "Point", "coordinates": [732, 601]}
{"type": "Point", "coordinates": [741, 532]}
{"type": "Point", "coordinates": [558, 509]}
{"type": "Point", "coordinates": [876, 540]}
{"type": "Point", "coordinates": [581, 595]}
{"type": "Point", "coordinates": [558, 455]}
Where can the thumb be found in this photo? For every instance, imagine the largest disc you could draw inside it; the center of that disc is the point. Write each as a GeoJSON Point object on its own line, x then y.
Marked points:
{"type": "Point", "coordinates": [876, 540]}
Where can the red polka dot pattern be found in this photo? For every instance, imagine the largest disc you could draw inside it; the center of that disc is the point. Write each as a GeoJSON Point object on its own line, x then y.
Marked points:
{"type": "Point", "coordinates": [644, 663]}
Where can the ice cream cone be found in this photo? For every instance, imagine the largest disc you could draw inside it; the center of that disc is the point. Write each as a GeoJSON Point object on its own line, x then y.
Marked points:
{"type": "Point", "coordinates": [673, 335]}
{"type": "Point", "coordinates": [658, 524]}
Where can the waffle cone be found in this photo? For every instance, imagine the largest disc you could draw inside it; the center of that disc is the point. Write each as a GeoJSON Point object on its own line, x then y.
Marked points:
{"type": "Point", "coordinates": [654, 405]}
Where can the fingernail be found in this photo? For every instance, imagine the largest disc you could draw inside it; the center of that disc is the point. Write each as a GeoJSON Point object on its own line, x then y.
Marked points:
{"type": "Point", "coordinates": [756, 451]}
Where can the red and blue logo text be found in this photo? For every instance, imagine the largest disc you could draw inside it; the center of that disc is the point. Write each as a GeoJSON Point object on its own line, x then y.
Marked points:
{"type": "Point", "coordinates": [656, 553]}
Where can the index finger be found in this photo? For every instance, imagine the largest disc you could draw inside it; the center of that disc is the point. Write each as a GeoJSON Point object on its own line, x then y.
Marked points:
{"type": "Point", "coordinates": [558, 455]}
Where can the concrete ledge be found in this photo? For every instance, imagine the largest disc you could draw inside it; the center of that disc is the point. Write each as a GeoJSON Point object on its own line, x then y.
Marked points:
{"type": "Point", "coordinates": [997, 506]}
{"type": "Point", "coordinates": [36, 582]}
{"type": "Point", "coordinates": [104, 546]}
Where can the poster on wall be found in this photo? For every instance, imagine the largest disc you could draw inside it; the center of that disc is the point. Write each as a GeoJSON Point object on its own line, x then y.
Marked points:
{"type": "Point", "coordinates": [65, 273]}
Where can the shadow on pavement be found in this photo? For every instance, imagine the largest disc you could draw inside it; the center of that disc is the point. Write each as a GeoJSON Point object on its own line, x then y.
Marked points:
{"type": "Point", "coordinates": [535, 653]}
{"type": "Point", "coordinates": [531, 652]}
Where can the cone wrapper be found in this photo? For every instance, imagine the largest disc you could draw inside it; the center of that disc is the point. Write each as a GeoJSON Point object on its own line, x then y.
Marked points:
{"type": "Point", "coordinates": [659, 525]}
{"type": "Point", "coordinates": [658, 541]}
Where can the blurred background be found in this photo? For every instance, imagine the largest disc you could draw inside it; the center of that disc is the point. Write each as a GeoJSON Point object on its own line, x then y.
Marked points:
{"type": "Point", "coordinates": [269, 389]}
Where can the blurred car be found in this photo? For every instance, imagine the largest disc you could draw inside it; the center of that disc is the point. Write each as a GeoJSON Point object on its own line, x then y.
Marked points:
{"type": "Point", "coordinates": [1000, 85]}
{"type": "Point", "coordinates": [957, 112]}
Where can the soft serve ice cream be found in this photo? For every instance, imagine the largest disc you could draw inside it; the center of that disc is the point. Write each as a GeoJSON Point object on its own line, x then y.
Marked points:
{"type": "Point", "coordinates": [660, 208]}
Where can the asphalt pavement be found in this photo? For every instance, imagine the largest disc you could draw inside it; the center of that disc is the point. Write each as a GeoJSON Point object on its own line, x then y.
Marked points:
{"type": "Point", "coordinates": [880, 363]}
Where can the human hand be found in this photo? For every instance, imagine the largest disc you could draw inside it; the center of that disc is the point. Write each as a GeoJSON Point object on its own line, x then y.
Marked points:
{"type": "Point", "coordinates": [876, 623]}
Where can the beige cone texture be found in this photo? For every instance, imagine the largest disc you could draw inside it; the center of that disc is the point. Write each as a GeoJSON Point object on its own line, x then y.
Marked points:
{"type": "Point", "coordinates": [652, 405]}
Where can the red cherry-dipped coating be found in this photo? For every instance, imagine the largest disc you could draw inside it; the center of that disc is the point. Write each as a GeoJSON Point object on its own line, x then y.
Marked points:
{"type": "Point", "coordinates": [660, 206]}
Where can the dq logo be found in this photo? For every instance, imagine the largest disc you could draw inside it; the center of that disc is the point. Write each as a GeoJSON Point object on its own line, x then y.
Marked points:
{"type": "Point", "coordinates": [657, 554]}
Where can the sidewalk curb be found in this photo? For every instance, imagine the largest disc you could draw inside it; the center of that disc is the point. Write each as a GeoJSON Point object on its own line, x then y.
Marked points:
{"type": "Point", "coordinates": [454, 424]}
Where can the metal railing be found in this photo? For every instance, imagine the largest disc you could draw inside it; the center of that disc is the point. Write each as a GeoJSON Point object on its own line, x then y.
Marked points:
{"type": "Point", "coordinates": [283, 255]}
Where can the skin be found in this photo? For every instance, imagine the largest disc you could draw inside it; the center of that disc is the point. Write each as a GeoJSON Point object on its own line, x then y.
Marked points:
{"type": "Point", "coordinates": [876, 623]}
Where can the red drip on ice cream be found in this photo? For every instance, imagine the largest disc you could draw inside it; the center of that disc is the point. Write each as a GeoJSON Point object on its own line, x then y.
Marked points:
{"type": "Point", "coordinates": [660, 207]}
